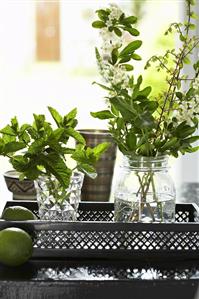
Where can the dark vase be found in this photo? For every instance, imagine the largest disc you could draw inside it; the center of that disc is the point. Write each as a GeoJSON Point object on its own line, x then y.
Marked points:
{"type": "Point", "coordinates": [99, 189]}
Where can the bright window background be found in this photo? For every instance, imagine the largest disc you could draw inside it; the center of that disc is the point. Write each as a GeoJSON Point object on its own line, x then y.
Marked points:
{"type": "Point", "coordinates": [28, 86]}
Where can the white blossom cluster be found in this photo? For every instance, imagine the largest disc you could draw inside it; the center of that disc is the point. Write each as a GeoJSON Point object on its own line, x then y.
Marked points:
{"type": "Point", "coordinates": [115, 14]}
{"type": "Point", "coordinates": [188, 110]}
{"type": "Point", "coordinates": [113, 74]}
{"type": "Point", "coordinates": [196, 85]}
{"type": "Point", "coordinates": [110, 40]}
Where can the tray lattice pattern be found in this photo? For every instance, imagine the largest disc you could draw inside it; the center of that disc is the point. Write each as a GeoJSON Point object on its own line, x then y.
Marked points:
{"type": "Point", "coordinates": [105, 211]}
{"type": "Point", "coordinates": [95, 215]}
{"type": "Point", "coordinates": [131, 240]}
{"type": "Point", "coordinates": [181, 216]}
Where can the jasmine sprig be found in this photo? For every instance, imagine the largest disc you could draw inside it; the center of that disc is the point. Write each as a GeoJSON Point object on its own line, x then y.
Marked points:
{"type": "Point", "coordinates": [142, 125]}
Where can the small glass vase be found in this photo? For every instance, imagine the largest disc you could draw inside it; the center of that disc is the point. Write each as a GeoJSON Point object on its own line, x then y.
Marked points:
{"type": "Point", "coordinates": [144, 191]}
{"type": "Point", "coordinates": [55, 202]}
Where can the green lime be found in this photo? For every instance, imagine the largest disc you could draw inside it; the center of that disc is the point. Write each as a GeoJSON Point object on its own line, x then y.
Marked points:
{"type": "Point", "coordinates": [17, 213]}
{"type": "Point", "coordinates": [15, 246]}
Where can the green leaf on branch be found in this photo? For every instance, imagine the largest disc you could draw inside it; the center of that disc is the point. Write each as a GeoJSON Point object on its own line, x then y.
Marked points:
{"type": "Point", "coordinates": [23, 133]}
{"type": "Point", "coordinates": [132, 31]}
{"type": "Point", "coordinates": [149, 106]}
{"type": "Point", "coordinates": [136, 56]}
{"type": "Point", "coordinates": [117, 31]}
{"type": "Point", "coordinates": [104, 114]}
{"type": "Point", "coordinates": [71, 115]}
{"type": "Point", "coordinates": [128, 67]}
{"type": "Point", "coordinates": [103, 86]}
{"type": "Point", "coordinates": [127, 111]}
{"type": "Point", "coordinates": [97, 55]}
{"type": "Point", "coordinates": [187, 131]}
{"type": "Point", "coordinates": [56, 116]}
{"type": "Point", "coordinates": [182, 38]}
{"type": "Point", "coordinates": [100, 149]}
{"type": "Point", "coordinates": [89, 170]}
{"type": "Point", "coordinates": [131, 141]}
{"type": "Point", "coordinates": [146, 91]}
{"type": "Point", "coordinates": [8, 131]}
{"type": "Point", "coordinates": [80, 155]}
{"type": "Point", "coordinates": [125, 59]}
{"type": "Point", "coordinates": [56, 134]}
{"type": "Point", "coordinates": [98, 24]}
{"type": "Point", "coordinates": [169, 144]}
{"type": "Point", "coordinates": [196, 65]}
{"type": "Point", "coordinates": [190, 92]}
{"type": "Point", "coordinates": [192, 2]}
{"type": "Point", "coordinates": [39, 121]}
{"type": "Point", "coordinates": [114, 56]}
{"type": "Point", "coordinates": [145, 121]}
{"type": "Point", "coordinates": [2, 143]}
{"type": "Point", "coordinates": [102, 14]}
{"type": "Point", "coordinates": [131, 48]}
{"type": "Point", "coordinates": [179, 95]}
{"type": "Point", "coordinates": [76, 135]}
{"type": "Point", "coordinates": [192, 26]}
{"type": "Point", "coordinates": [87, 158]}
{"type": "Point", "coordinates": [15, 124]}
{"type": "Point", "coordinates": [191, 139]}
{"type": "Point", "coordinates": [13, 146]}
{"type": "Point", "coordinates": [194, 15]}
{"type": "Point", "coordinates": [55, 165]}
{"type": "Point", "coordinates": [114, 110]}
{"type": "Point", "coordinates": [19, 163]}
{"type": "Point", "coordinates": [120, 123]}
{"type": "Point", "coordinates": [192, 149]}
{"type": "Point", "coordinates": [139, 81]}
{"type": "Point", "coordinates": [186, 60]}
{"type": "Point", "coordinates": [37, 146]}
{"type": "Point", "coordinates": [146, 149]}
{"type": "Point", "coordinates": [129, 20]}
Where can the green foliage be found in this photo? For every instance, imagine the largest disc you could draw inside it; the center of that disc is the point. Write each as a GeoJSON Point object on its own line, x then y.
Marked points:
{"type": "Point", "coordinates": [130, 49]}
{"type": "Point", "coordinates": [140, 123]}
{"type": "Point", "coordinates": [39, 149]}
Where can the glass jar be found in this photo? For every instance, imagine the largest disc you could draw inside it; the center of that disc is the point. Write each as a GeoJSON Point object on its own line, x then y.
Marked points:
{"type": "Point", "coordinates": [144, 191]}
{"type": "Point", "coordinates": [56, 202]}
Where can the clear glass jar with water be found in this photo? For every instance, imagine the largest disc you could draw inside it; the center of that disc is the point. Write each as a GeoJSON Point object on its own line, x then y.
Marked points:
{"type": "Point", "coordinates": [54, 201]}
{"type": "Point", "coordinates": [144, 190]}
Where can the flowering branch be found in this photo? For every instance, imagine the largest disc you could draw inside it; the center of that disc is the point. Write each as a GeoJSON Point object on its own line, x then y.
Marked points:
{"type": "Point", "coordinates": [139, 124]}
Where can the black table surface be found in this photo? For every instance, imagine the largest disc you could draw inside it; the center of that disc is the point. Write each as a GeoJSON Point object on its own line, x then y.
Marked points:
{"type": "Point", "coordinates": [101, 279]}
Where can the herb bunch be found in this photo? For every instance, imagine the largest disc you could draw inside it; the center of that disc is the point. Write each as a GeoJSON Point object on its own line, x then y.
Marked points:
{"type": "Point", "coordinates": [40, 149]}
{"type": "Point", "coordinates": [140, 124]}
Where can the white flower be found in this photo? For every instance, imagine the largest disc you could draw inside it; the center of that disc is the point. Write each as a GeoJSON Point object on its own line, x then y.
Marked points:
{"type": "Point", "coordinates": [110, 41]}
{"type": "Point", "coordinates": [115, 13]}
{"type": "Point", "coordinates": [113, 74]}
{"type": "Point", "coordinates": [196, 84]}
{"type": "Point", "coordinates": [187, 110]}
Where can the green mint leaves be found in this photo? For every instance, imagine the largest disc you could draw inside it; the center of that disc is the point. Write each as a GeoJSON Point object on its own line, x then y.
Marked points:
{"type": "Point", "coordinates": [42, 148]}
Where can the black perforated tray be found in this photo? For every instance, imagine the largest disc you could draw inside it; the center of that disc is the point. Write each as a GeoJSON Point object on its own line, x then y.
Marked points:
{"type": "Point", "coordinates": [96, 235]}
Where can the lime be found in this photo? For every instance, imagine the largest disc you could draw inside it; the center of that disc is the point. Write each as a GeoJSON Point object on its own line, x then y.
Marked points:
{"type": "Point", "coordinates": [17, 213]}
{"type": "Point", "coordinates": [15, 246]}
